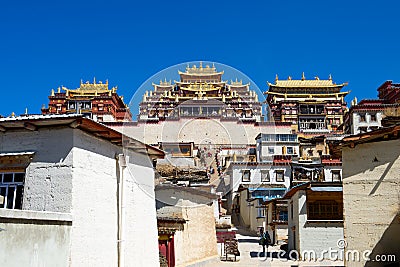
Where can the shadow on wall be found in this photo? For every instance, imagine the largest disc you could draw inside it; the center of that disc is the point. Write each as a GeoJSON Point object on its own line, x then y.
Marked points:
{"type": "Point", "coordinates": [384, 152]}
{"type": "Point", "coordinates": [387, 246]}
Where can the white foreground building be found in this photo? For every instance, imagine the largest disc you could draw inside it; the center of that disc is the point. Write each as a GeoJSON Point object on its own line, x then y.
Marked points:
{"type": "Point", "coordinates": [72, 196]}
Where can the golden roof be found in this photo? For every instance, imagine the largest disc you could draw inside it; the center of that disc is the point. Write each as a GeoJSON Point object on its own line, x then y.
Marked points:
{"type": "Point", "coordinates": [237, 83]}
{"type": "Point", "coordinates": [194, 70]}
{"type": "Point", "coordinates": [91, 88]}
{"type": "Point", "coordinates": [316, 83]}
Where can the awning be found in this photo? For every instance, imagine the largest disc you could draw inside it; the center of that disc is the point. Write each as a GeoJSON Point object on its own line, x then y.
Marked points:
{"type": "Point", "coordinates": [327, 189]}
{"type": "Point", "coordinates": [15, 154]}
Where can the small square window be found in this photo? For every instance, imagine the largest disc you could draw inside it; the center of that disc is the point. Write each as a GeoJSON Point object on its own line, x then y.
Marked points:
{"type": "Point", "coordinates": [289, 150]}
{"type": "Point", "coordinates": [279, 176]}
{"type": "Point", "coordinates": [246, 176]}
{"type": "Point", "coordinates": [271, 150]}
{"type": "Point", "coordinates": [373, 117]}
{"type": "Point", "coordinates": [362, 117]}
{"type": "Point", "coordinates": [11, 190]}
{"type": "Point", "coordinates": [336, 176]}
{"type": "Point", "coordinates": [265, 176]}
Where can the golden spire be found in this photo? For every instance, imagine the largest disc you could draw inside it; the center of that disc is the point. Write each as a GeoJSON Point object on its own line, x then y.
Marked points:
{"type": "Point", "coordinates": [59, 90]}
{"type": "Point", "coordinates": [317, 78]}
{"type": "Point", "coordinates": [276, 78]}
{"type": "Point", "coordinates": [330, 77]}
{"type": "Point", "coordinates": [13, 114]}
{"type": "Point", "coordinates": [303, 77]}
{"type": "Point", "coordinates": [81, 81]}
{"type": "Point", "coordinates": [201, 65]}
{"type": "Point", "coordinates": [289, 78]}
{"type": "Point", "coordinates": [94, 80]}
{"type": "Point", "coordinates": [52, 92]}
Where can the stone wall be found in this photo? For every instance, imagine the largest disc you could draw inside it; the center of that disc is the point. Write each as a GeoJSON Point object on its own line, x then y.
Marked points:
{"type": "Point", "coordinates": [48, 177]}
{"type": "Point", "coordinates": [311, 236]}
{"type": "Point", "coordinates": [199, 131]}
{"type": "Point", "coordinates": [371, 186]}
{"type": "Point", "coordinates": [31, 238]}
{"type": "Point", "coordinates": [74, 172]}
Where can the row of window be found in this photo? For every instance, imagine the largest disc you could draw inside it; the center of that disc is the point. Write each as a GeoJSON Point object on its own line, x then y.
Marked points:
{"type": "Point", "coordinates": [372, 117]}
{"type": "Point", "coordinates": [265, 176]}
{"type": "Point", "coordinates": [195, 111]}
{"type": "Point", "coordinates": [289, 150]}
{"type": "Point", "coordinates": [279, 137]}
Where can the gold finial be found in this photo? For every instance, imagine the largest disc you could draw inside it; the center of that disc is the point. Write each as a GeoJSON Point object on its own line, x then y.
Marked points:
{"type": "Point", "coordinates": [303, 77]}
{"type": "Point", "coordinates": [59, 90]}
{"type": "Point", "coordinates": [213, 65]}
{"type": "Point", "coordinates": [236, 80]}
{"type": "Point", "coordinates": [317, 78]}
{"type": "Point", "coordinates": [201, 65]}
{"type": "Point", "coordinates": [81, 81]}
{"type": "Point", "coordinates": [289, 78]}
{"type": "Point", "coordinates": [165, 79]}
{"type": "Point", "coordinates": [26, 111]}
{"type": "Point", "coordinates": [330, 77]}
{"type": "Point", "coordinates": [94, 80]}
{"type": "Point", "coordinates": [107, 82]}
{"type": "Point", "coordinates": [52, 92]}
{"type": "Point", "coordinates": [12, 114]}
{"type": "Point", "coordinates": [276, 78]}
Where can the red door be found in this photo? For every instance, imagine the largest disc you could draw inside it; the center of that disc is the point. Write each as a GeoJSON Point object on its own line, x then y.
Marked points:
{"type": "Point", "coordinates": [166, 247]}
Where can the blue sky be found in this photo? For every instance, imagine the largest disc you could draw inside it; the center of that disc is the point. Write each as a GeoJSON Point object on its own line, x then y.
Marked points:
{"type": "Point", "coordinates": [46, 44]}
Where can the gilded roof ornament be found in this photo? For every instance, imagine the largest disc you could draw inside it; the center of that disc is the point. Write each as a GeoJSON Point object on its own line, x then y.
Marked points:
{"type": "Point", "coordinates": [303, 77]}
{"type": "Point", "coordinates": [330, 77]}
{"type": "Point", "coordinates": [289, 78]}
{"type": "Point", "coordinates": [276, 78]}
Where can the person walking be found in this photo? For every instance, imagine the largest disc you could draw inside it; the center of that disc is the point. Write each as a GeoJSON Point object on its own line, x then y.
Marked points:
{"type": "Point", "coordinates": [265, 239]}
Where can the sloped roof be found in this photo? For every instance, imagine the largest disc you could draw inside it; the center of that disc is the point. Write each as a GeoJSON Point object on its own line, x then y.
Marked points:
{"type": "Point", "coordinates": [35, 122]}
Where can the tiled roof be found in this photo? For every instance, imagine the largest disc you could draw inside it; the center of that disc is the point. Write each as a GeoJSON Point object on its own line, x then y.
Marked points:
{"type": "Point", "coordinates": [306, 83]}
{"type": "Point", "coordinates": [35, 122]}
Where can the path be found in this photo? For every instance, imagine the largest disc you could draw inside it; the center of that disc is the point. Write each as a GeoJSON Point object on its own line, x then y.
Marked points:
{"type": "Point", "coordinates": [250, 251]}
